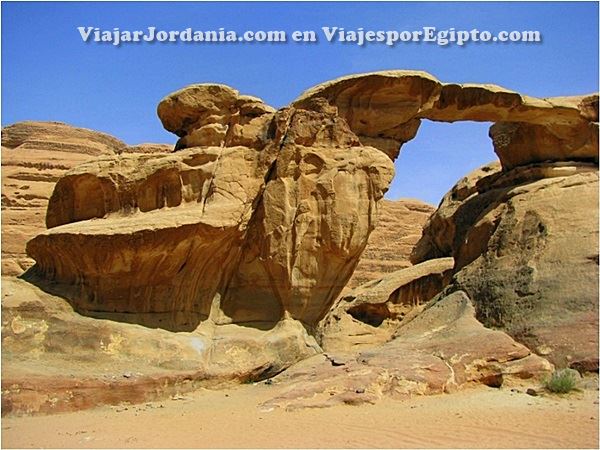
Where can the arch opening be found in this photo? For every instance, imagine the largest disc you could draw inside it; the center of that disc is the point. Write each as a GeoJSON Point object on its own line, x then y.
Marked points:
{"type": "Point", "coordinates": [440, 154]}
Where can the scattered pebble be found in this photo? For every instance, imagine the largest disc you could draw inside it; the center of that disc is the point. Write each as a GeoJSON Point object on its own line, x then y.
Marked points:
{"type": "Point", "coordinates": [532, 392]}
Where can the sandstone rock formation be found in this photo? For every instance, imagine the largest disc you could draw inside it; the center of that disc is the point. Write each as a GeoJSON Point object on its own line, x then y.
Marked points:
{"type": "Point", "coordinates": [441, 350]}
{"type": "Point", "coordinates": [148, 147]}
{"type": "Point", "coordinates": [55, 360]}
{"type": "Point", "coordinates": [238, 234]}
{"type": "Point", "coordinates": [526, 248]}
{"type": "Point", "coordinates": [445, 230]}
{"type": "Point", "coordinates": [34, 156]}
{"type": "Point", "coordinates": [399, 227]}
{"type": "Point", "coordinates": [215, 114]}
{"type": "Point", "coordinates": [245, 237]}
{"type": "Point", "coordinates": [255, 238]}
{"type": "Point", "coordinates": [385, 109]}
{"type": "Point", "coordinates": [57, 138]}
{"type": "Point", "coordinates": [371, 313]}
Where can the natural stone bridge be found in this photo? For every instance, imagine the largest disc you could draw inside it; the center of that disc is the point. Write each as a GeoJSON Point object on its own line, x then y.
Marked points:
{"type": "Point", "coordinates": [243, 239]}
{"type": "Point", "coordinates": [263, 214]}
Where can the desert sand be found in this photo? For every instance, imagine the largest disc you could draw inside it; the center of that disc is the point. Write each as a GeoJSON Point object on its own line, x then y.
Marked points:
{"type": "Point", "coordinates": [474, 418]}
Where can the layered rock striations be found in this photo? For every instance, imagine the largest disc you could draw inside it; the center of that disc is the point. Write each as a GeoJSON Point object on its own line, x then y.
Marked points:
{"type": "Point", "coordinates": [234, 250]}
{"type": "Point", "coordinates": [239, 233]}
{"type": "Point", "coordinates": [35, 155]}
{"type": "Point", "coordinates": [525, 243]}
{"type": "Point", "coordinates": [370, 314]}
{"type": "Point", "coordinates": [385, 109]}
{"type": "Point", "coordinates": [399, 227]}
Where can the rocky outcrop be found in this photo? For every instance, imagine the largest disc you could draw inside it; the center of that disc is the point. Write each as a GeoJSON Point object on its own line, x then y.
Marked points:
{"type": "Point", "coordinates": [240, 234]}
{"type": "Point", "coordinates": [534, 267]}
{"type": "Point", "coordinates": [59, 139]}
{"type": "Point", "coordinates": [246, 235]}
{"type": "Point", "coordinates": [526, 248]}
{"type": "Point", "coordinates": [371, 313]}
{"type": "Point", "coordinates": [312, 224]}
{"type": "Point", "coordinates": [55, 360]}
{"type": "Point", "coordinates": [35, 155]}
{"type": "Point", "coordinates": [508, 225]}
{"type": "Point", "coordinates": [445, 230]}
{"type": "Point", "coordinates": [385, 109]}
{"type": "Point", "coordinates": [149, 148]}
{"type": "Point", "coordinates": [247, 244]}
{"type": "Point", "coordinates": [399, 227]}
{"type": "Point", "coordinates": [441, 350]}
{"type": "Point", "coordinates": [215, 114]}
{"type": "Point", "coordinates": [156, 223]}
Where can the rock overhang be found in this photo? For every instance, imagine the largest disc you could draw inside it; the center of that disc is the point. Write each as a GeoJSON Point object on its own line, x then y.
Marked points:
{"type": "Point", "coordinates": [272, 224]}
{"type": "Point", "coordinates": [384, 110]}
{"type": "Point", "coordinates": [293, 192]}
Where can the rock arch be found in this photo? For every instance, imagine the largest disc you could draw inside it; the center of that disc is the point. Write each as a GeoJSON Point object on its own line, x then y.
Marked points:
{"type": "Point", "coordinates": [265, 213]}
{"type": "Point", "coordinates": [384, 109]}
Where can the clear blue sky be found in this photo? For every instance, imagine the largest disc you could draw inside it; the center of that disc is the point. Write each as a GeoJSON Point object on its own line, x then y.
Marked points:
{"type": "Point", "coordinates": [48, 73]}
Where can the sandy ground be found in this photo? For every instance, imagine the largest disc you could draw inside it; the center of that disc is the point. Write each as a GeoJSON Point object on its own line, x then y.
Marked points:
{"type": "Point", "coordinates": [482, 417]}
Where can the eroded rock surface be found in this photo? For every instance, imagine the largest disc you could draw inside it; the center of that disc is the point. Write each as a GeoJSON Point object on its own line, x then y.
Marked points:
{"type": "Point", "coordinates": [370, 314]}
{"type": "Point", "coordinates": [252, 242]}
{"type": "Point", "coordinates": [231, 250]}
{"type": "Point", "coordinates": [35, 155]}
{"type": "Point", "coordinates": [241, 234]}
{"type": "Point", "coordinates": [526, 248]}
{"type": "Point", "coordinates": [309, 230]}
{"type": "Point", "coordinates": [215, 114]}
{"type": "Point", "coordinates": [399, 227]}
{"type": "Point", "coordinates": [166, 230]}
{"type": "Point", "coordinates": [445, 230]}
{"type": "Point", "coordinates": [385, 109]}
{"type": "Point", "coordinates": [441, 350]}
{"type": "Point", "coordinates": [149, 147]}
{"type": "Point", "coordinates": [55, 360]}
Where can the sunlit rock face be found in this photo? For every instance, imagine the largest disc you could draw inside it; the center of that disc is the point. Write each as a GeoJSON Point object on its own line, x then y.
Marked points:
{"type": "Point", "coordinates": [35, 155]}
{"type": "Point", "coordinates": [264, 214]}
{"type": "Point", "coordinates": [385, 108]}
{"type": "Point", "coordinates": [232, 251]}
{"type": "Point", "coordinates": [525, 243]}
{"type": "Point", "coordinates": [263, 221]}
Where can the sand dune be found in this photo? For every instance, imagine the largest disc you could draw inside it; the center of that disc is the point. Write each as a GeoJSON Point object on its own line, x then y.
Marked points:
{"type": "Point", "coordinates": [481, 418]}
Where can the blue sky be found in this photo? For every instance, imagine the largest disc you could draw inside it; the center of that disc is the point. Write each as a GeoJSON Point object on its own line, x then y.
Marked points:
{"type": "Point", "coordinates": [49, 73]}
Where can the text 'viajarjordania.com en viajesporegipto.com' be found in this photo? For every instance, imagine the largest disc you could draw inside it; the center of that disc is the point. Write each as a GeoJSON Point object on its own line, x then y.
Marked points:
{"type": "Point", "coordinates": [359, 36]}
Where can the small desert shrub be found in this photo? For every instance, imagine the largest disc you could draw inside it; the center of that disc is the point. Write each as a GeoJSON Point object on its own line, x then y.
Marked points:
{"type": "Point", "coordinates": [562, 381]}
